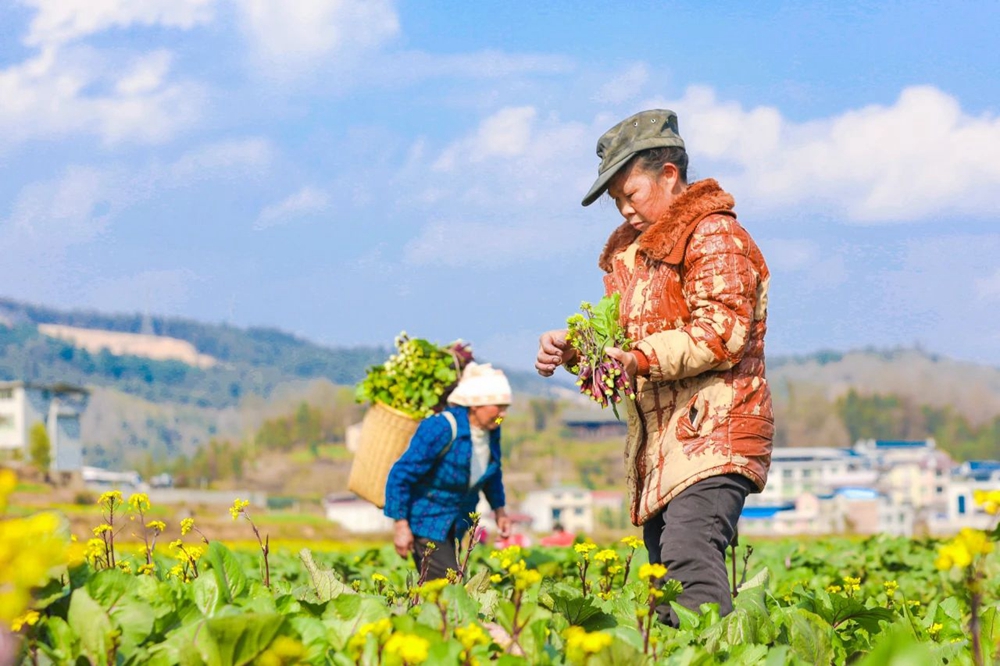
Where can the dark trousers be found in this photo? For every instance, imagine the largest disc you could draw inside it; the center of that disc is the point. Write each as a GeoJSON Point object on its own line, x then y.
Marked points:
{"type": "Point", "coordinates": [444, 557]}
{"type": "Point", "coordinates": [690, 536]}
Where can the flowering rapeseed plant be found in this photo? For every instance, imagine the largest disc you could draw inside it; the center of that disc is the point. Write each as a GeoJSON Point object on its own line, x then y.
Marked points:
{"type": "Point", "coordinates": [580, 644]}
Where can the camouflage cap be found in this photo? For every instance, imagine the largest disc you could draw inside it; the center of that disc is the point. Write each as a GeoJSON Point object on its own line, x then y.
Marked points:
{"type": "Point", "coordinates": [648, 129]}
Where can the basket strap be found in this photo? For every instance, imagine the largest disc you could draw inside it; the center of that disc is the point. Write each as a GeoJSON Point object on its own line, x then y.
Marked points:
{"type": "Point", "coordinates": [454, 433]}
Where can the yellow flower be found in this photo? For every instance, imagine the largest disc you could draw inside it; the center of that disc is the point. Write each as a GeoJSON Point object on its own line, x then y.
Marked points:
{"type": "Point", "coordinates": [496, 578]}
{"type": "Point", "coordinates": [29, 618]}
{"type": "Point", "coordinates": [471, 636]}
{"type": "Point", "coordinates": [890, 587]}
{"type": "Point", "coordinates": [963, 549]}
{"type": "Point", "coordinates": [580, 644]}
{"type": "Point", "coordinates": [988, 499]}
{"type": "Point", "coordinates": [412, 649]}
{"type": "Point", "coordinates": [431, 590]}
{"type": "Point", "coordinates": [157, 525]}
{"type": "Point", "coordinates": [101, 529]}
{"type": "Point", "coordinates": [110, 499]}
{"type": "Point", "coordinates": [177, 543]}
{"type": "Point", "coordinates": [187, 524]}
{"type": "Point", "coordinates": [8, 482]}
{"type": "Point", "coordinates": [647, 571]}
{"type": "Point", "coordinates": [379, 578]}
{"type": "Point", "coordinates": [124, 565]}
{"type": "Point", "coordinates": [585, 548]}
{"type": "Point", "coordinates": [935, 629]}
{"type": "Point", "coordinates": [615, 568]}
{"type": "Point", "coordinates": [525, 579]}
{"type": "Point", "coordinates": [283, 650]}
{"type": "Point", "coordinates": [138, 502]}
{"type": "Point", "coordinates": [30, 548]}
{"type": "Point", "coordinates": [606, 555]}
{"type": "Point", "coordinates": [833, 589]}
{"type": "Point", "coordinates": [237, 508]}
{"type": "Point", "coordinates": [147, 569]}
{"type": "Point", "coordinates": [632, 542]}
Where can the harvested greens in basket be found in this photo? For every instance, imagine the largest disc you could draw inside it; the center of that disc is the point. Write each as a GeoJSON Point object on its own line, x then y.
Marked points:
{"type": "Point", "coordinates": [417, 379]}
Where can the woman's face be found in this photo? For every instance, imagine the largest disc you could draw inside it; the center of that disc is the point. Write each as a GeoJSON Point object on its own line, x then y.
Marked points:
{"type": "Point", "coordinates": [643, 197]}
{"type": "Point", "coordinates": [487, 417]}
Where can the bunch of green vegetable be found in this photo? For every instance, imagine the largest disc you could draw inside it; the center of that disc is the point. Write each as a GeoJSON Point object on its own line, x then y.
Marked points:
{"type": "Point", "coordinates": [416, 379]}
{"type": "Point", "coordinates": [591, 333]}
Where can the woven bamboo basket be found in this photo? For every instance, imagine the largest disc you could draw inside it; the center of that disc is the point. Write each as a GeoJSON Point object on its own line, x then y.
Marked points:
{"type": "Point", "coordinates": [385, 434]}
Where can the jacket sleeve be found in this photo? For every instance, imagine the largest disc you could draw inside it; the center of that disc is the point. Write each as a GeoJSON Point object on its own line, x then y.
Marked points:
{"type": "Point", "coordinates": [433, 434]}
{"type": "Point", "coordinates": [720, 287]}
{"type": "Point", "coordinates": [493, 488]}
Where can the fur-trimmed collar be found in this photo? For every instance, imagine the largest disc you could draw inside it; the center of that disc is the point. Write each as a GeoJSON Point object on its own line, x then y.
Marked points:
{"type": "Point", "coordinates": [661, 239]}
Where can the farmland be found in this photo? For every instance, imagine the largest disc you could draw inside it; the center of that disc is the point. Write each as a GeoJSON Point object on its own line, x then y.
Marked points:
{"type": "Point", "coordinates": [128, 594]}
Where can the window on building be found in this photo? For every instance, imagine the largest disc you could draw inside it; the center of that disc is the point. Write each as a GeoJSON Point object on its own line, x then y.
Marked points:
{"type": "Point", "coordinates": [6, 422]}
{"type": "Point", "coordinates": [786, 474]}
{"type": "Point", "coordinates": [806, 473]}
{"type": "Point", "coordinates": [578, 512]}
{"type": "Point", "coordinates": [6, 394]}
{"type": "Point", "coordinates": [556, 514]}
{"type": "Point", "coordinates": [961, 504]}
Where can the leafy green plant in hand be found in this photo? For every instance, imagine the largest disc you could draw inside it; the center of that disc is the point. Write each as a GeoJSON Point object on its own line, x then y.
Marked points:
{"type": "Point", "coordinates": [591, 332]}
{"type": "Point", "coordinates": [416, 379]}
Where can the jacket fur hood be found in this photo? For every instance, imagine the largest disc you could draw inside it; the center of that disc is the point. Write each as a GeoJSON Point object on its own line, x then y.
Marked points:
{"type": "Point", "coordinates": [666, 238]}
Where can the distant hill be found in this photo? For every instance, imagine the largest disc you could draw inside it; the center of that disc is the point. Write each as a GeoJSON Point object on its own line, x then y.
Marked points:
{"type": "Point", "coordinates": [174, 360]}
{"type": "Point", "coordinates": [970, 389]}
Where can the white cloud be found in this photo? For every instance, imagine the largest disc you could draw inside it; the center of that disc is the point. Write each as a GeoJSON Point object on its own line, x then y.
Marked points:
{"type": "Point", "coordinates": [626, 86]}
{"type": "Point", "coordinates": [63, 21]}
{"type": "Point", "coordinates": [306, 202]}
{"type": "Point", "coordinates": [233, 157]}
{"type": "Point", "coordinates": [81, 203]}
{"type": "Point", "coordinates": [66, 87]}
{"type": "Point", "coordinates": [919, 157]}
{"type": "Point", "coordinates": [292, 36]}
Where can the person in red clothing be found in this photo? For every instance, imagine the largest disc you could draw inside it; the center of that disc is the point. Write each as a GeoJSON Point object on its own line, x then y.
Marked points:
{"type": "Point", "coordinates": [559, 537]}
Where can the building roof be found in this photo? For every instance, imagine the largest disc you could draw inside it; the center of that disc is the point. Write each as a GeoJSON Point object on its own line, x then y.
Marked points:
{"type": "Point", "coordinates": [857, 493]}
{"type": "Point", "coordinates": [57, 387]}
{"type": "Point", "coordinates": [765, 511]}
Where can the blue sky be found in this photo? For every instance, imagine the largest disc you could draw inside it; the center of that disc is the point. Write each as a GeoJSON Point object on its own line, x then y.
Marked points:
{"type": "Point", "coordinates": [347, 169]}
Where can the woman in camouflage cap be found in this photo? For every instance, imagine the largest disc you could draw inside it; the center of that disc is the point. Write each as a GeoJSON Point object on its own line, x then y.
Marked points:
{"type": "Point", "coordinates": [693, 288]}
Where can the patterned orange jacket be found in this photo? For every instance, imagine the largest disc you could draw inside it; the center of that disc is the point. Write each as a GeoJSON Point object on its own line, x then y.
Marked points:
{"type": "Point", "coordinates": [694, 299]}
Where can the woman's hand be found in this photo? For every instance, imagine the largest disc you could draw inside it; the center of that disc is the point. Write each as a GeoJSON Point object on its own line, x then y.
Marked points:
{"type": "Point", "coordinates": [403, 540]}
{"type": "Point", "coordinates": [553, 351]}
{"type": "Point", "coordinates": [627, 359]}
{"type": "Point", "coordinates": [503, 523]}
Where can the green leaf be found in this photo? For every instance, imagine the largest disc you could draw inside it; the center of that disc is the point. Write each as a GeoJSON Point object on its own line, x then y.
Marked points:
{"type": "Point", "coordinates": [688, 620]}
{"type": "Point", "coordinates": [577, 609]}
{"type": "Point", "coordinates": [89, 621]}
{"type": "Point", "coordinates": [134, 619]}
{"type": "Point", "coordinates": [65, 644]}
{"type": "Point", "coordinates": [238, 639]}
{"type": "Point", "coordinates": [206, 595]}
{"type": "Point", "coordinates": [349, 612]}
{"type": "Point", "coordinates": [325, 582]}
{"type": "Point", "coordinates": [229, 576]}
{"type": "Point", "coordinates": [810, 636]}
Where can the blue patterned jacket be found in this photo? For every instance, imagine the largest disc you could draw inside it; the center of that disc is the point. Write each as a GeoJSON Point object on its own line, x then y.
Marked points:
{"type": "Point", "coordinates": [432, 491]}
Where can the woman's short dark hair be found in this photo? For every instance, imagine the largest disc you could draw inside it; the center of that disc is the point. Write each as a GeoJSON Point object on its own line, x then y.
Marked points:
{"type": "Point", "coordinates": [653, 159]}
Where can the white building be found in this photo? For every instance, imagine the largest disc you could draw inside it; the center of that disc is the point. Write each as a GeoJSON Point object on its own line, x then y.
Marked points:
{"type": "Point", "coordinates": [571, 507]}
{"type": "Point", "coordinates": [57, 406]}
{"type": "Point", "coordinates": [356, 515]}
{"type": "Point", "coordinates": [796, 471]}
{"type": "Point", "coordinates": [961, 509]}
{"type": "Point", "coordinates": [911, 472]}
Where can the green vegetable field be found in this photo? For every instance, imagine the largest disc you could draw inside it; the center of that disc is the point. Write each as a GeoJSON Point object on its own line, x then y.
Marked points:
{"type": "Point", "coordinates": [123, 598]}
